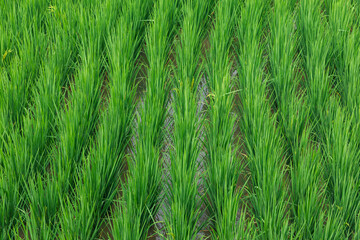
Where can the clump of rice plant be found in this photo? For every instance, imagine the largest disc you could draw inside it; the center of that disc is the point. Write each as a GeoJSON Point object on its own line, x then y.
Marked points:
{"type": "Point", "coordinates": [341, 169]}
{"type": "Point", "coordinates": [77, 121]}
{"type": "Point", "coordinates": [340, 142]}
{"type": "Point", "coordinates": [22, 55]}
{"type": "Point", "coordinates": [98, 181]}
{"type": "Point", "coordinates": [315, 49]}
{"type": "Point", "coordinates": [9, 199]}
{"type": "Point", "coordinates": [263, 141]}
{"type": "Point", "coordinates": [345, 44]}
{"type": "Point", "coordinates": [183, 211]}
{"type": "Point", "coordinates": [141, 195]}
{"type": "Point", "coordinates": [222, 165]}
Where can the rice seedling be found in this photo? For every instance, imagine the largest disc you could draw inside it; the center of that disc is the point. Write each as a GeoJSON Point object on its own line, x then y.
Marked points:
{"type": "Point", "coordinates": [263, 141]}
{"type": "Point", "coordinates": [315, 47]}
{"type": "Point", "coordinates": [319, 89]}
{"type": "Point", "coordinates": [341, 167]}
{"type": "Point", "coordinates": [141, 194]}
{"type": "Point", "coordinates": [98, 182]}
{"type": "Point", "coordinates": [21, 60]}
{"type": "Point", "coordinates": [340, 142]}
{"type": "Point", "coordinates": [223, 168]}
{"type": "Point", "coordinates": [182, 216]}
{"type": "Point", "coordinates": [76, 123]}
{"type": "Point", "coordinates": [305, 161]}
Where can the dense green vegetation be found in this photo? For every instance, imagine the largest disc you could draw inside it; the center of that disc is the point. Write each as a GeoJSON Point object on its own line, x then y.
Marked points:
{"type": "Point", "coordinates": [179, 119]}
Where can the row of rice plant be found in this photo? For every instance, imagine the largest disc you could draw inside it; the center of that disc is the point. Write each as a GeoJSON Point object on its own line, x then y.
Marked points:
{"type": "Point", "coordinates": [305, 161]}
{"type": "Point", "coordinates": [222, 165]}
{"type": "Point", "coordinates": [263, 141]}
{"type": "Point", "coordinates": [76, 124]}
{"type": "Point", "coordinates": [142, 192]}
{"type": "Point", "coordinates": [316, 45]}
{"type": "Point", "coordinates": [26, 152]}
{"type": "Point", "coordinates": [99, 179]}
{"type": "Point", "coordinates": [321, 93]}
{"type": "Point", "coordinates": [27, 148]}
{"type": "Point", "coordinates": [183, 200]}
{"type": "Point", "coordinates": [23, 48]}
{"type": "Point", "coordinates": [341, 147]}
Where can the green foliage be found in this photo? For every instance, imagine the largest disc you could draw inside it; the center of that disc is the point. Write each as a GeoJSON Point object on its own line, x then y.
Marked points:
{"type": "Point", "coordinates": [269, 151]}
{"type": "Point", "coordinates": [183, 213]}
{"type": "Point", "coordinates": [223, 168]}
{"type": "Point", "coordinates": [263, 141]}
{"type": "Point", "coordinates": [141, 201]}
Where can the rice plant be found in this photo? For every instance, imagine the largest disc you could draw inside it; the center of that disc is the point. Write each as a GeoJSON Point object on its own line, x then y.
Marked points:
{"type": "Point", "coordinates": [263, 141]}
{"type": "Point", "coordinates": [305, 161]}
{"type": "Point", "coordinates": [315, 47]}
{"type": "Point", "coordinates": [17, 79]}
{"type": "Point", "coordinates": [340, 142]}
{"type": "Point", "coordinates": [142, 196]}
{"type": "Point", "coordinates": [21, 60]}
{"type": "Point", "coordinates": [342, 170]}
{"type": "Point", "coordinates": [345, 42]}
{"type": "Point", "coordinates": [26, 150]}
{"type": "Point", "coordinates": [222, 164]}
{"type": "Point", "coordinates": [97, 186]}
{"type": "Point", "coordinates": [182, 216]}
{"type": "Point", "coordinates": [9, 199]}
{"type": "Point", "coordinates": [76, 123]}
